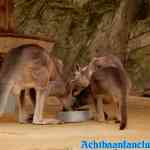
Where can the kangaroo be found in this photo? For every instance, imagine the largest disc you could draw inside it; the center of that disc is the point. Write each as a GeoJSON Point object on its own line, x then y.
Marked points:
{"type": "Point", "coordinates": [105, 78]}
{"type": "Point", "coordinates": [28, 67]}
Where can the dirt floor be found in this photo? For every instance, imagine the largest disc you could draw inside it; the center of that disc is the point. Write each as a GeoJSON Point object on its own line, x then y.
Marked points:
{"type": "Point", "coordinates": [15, 136]}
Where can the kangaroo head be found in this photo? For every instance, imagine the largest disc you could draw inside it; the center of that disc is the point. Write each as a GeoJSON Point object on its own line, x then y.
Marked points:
{"type": "Point", "coordinates": [81, 79]}
{"type": "Point", "coordinates": [67, 100]}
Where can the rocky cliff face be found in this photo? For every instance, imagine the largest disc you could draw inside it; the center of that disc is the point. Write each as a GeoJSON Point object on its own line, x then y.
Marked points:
{"type": "Point", "coordinates": [85, 28]}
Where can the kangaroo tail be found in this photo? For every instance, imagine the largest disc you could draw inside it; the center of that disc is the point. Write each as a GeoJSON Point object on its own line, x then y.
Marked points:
{"type": "Point", "coordinates": [6, 75]}
{"type": "Point", "coordinates": [123, 108]}
{"type": "Point", "coordinates": [5, 87]}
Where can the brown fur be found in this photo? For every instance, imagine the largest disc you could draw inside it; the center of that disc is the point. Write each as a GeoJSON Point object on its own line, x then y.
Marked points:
{"type": "Point", "coordinates": [106, 76]}
{"type": "Point", "coordinates": [108, 81]}
{"type": "Point", "coordinates": [25, 67]}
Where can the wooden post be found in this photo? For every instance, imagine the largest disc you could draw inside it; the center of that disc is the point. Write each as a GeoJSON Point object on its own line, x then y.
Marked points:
{"type": "Point", "coordinates": [7, 21]}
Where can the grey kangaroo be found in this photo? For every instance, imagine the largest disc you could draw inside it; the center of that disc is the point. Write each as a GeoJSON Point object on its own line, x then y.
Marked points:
{"type": "Point", "coordinates": [106, 77]}
{"type": "Point", "coordinates": [31, 67]}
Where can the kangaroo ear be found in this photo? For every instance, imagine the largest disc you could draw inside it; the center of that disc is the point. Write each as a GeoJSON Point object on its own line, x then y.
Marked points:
{"type": "Point", "coordinates": [90, 73]}
{"type": "Point", "coordinates": [77, 67]}
{"type": "Point", "coordinates": [95, 58]}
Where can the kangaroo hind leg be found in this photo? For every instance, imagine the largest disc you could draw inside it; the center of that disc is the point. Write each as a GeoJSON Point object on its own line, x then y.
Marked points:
{"type": "Point", "coordinates": [39, 108]}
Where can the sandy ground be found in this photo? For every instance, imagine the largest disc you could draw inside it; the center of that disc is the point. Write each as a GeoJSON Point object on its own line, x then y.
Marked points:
{"type": "Point", "coordinates": [15, 136]}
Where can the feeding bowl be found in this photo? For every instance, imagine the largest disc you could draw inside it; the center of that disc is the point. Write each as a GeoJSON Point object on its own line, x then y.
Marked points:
{"type": "Point", "coordinates": [73, 116]}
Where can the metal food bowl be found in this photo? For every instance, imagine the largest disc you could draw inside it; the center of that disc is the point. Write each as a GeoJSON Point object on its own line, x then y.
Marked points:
{"type": "Point", "coordinates": [73, 116]}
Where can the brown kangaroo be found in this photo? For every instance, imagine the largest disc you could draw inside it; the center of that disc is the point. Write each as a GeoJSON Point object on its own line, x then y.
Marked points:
{"type": "Point", "coordinates": [106, 78]}
{"type": "Point", "coordinates": [29, 67]}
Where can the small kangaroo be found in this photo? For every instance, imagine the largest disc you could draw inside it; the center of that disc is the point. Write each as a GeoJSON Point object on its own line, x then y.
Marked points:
{"type": "Point", "coordinates": [30, 67]}
{"type": "Point", "coordinates": [106, 77]}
